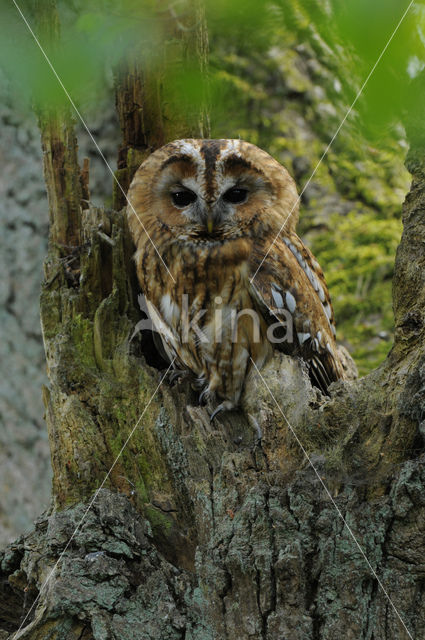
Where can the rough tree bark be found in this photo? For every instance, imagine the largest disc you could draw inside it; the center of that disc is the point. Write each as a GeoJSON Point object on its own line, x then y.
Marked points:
{"type": "Point", "coordinates": [201, 530]}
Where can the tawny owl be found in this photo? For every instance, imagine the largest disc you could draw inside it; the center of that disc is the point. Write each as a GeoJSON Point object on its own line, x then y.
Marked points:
{"type": "Point", "coordinates": [203, 215]}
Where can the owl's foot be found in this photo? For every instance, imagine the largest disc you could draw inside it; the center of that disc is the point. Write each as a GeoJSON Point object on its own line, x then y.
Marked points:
{"type": "Point", "coordinates": [227, 405]}
{"type": "Point", "coordinates": [207, 394]}
{"type": "Point", "coordinates": [199, 383]}
{"type": "Point", "coordinates": [203, 396]}
{"type": "Point", "coordinates": [177, 374]}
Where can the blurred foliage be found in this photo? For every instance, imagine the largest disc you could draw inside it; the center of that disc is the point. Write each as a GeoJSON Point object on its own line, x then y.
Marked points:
{"type": "Point", "coordinates": [283, 74]}
{"type": "Point", "coordinates": [359, 261]}
{"type": "Point", "coordinates": [95, 36]}
{"type": "Point", "coordinates": [352, 35]}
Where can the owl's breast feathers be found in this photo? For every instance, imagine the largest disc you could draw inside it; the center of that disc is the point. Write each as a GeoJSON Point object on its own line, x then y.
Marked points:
{"type": "Point", "coordinates": [289, 290]}
{"type": "Point", "coordinates": [210, 296]}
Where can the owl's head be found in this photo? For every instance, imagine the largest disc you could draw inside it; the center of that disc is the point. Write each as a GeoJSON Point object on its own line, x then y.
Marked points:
{"type": "Point", "coordinates": [212, 187]}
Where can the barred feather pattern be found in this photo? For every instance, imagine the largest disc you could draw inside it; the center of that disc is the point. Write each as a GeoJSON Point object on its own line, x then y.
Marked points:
{"type": "Point", "coordinates": [210, 210]}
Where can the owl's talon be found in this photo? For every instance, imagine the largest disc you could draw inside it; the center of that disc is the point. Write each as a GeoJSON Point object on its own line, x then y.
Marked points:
{"type": "Point", "coordinates": [203, 396]}
{"type": "Point", "coordinates": [216, 411]}
{"type": "Point", "coordinates": [227, 405]}
{"type": "Point", "coordinates": [174, 375]}
{"type": "Point", "coordinates": [198, 383]}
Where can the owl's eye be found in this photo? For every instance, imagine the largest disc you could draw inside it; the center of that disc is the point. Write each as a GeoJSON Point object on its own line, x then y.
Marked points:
{"type": "Point", "coordinates": [183, 198]}
{"type": "Point", "coordinates": [235, 195]}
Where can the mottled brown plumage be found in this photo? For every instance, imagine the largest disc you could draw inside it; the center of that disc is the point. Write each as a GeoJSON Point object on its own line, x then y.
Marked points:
{"type": "Point", "coordinates": [209, 210]}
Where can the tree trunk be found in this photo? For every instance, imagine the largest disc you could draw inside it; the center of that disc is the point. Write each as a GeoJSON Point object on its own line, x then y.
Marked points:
{"type": "Point", "coordinates": [216, 530]}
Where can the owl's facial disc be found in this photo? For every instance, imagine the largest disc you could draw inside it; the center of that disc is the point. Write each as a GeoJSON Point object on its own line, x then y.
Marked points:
{"type": "Point", "coordinates": [204, 192]}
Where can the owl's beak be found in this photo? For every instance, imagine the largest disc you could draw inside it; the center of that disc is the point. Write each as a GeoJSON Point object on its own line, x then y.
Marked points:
{"type": "Point", "coordinates": [211, 215]}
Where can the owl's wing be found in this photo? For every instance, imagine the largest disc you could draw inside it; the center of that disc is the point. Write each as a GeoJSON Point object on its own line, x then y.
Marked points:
{"type": "Point", "coordinates": [168, 341]}
{"type": "Point", "coordinates": [291, 293]}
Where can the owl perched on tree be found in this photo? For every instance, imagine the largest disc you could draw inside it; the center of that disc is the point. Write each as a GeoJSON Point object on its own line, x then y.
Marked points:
{"type": "Point", "coordinates": [225, 276]}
